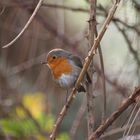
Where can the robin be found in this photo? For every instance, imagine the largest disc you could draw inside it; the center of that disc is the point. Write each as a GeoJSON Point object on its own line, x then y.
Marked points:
{"type": "Point", "coordinates": [65, 68]}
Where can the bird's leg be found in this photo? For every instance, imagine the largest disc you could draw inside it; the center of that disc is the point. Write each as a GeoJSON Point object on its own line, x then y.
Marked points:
{"type": "Point", "coordinates": [66, 95]}
{"type": "Point", "coordinates": [67, 105]}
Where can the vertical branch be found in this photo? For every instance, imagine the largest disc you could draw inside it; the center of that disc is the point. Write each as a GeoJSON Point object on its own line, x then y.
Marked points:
{"type": "Point", "coordinates": [124, 105]}
{"type": "Point", "coordinates": [26, 25]}
{"type": "Point", "coordinates": [91, 37]}
{"type": "Point", "coordinates": [92, 34]}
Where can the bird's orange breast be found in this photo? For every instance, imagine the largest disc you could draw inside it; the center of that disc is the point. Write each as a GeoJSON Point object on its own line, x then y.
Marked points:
{"type": "Point", "coordinates": [60, 66]}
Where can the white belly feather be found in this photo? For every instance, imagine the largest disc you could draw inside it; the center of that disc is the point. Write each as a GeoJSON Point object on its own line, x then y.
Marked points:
{"type": "Point", "coordinates": [67, 81]}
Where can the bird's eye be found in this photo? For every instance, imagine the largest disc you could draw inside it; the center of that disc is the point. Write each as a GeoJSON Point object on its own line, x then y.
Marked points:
{"type": "Point", "coordinates": [54, 57]}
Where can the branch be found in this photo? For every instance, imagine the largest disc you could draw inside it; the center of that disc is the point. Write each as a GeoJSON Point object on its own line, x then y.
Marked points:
{"type": "Point", "coordinates": [89, 94]}
{"type": "Point", "coordinates": [88, 60]}
{"type": "Point", "coordinates": [132, 50]}
{"type": "Point", "coordinates": [26, 25]}
{"type": "Point", "coordinates": [100, 130]}
{"type": "Point", "coordinates": [132, 27]}
{"type": "Point", "coordinates": [102, 65]}
{"type": "Point", "coordinates": [118, 132]}
{"type": "Point", "coordinates": [66, 7]}
{"type": "Point", "coordinates": [2, 11]}
{"type": "Point", "coordinates": [115, 19]}
{"type": "Point", "coordinates": [132, 123]}
{"type": "Point", "coordinates": [119, 88]}
{"type": "Point", "coordinates": [49, 27]}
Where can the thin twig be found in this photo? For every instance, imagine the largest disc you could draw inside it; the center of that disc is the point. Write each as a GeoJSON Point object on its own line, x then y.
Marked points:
{"type": "Point", "coordinates": [125, 104]}
{"type": "Point", "coordinates": [132, 27]}
{"type": "Point", "coordinates": [88, 60]}
{"type": "Point", "coordinates": [131, 115]}
{"type": "Point", "coordinates": [133, 122]}
{"type": "Point", "coordinates": [2, 11]}
{"type": "Point", "coordinates": [66, 7]}
{"type": "Point", "coordinates": [117, 133]}
{"type": "Point", "coordinates": [132, 50]}
{"type": "Point", "coordinates": [26, 25]}
{"type": "Point", "coordinates": [104, 82]}
{"type": "Point", "coordinates": [115, 19]}
{"type": "Point", "coordinates": [118, 87]}
{"type": "Point", "coordinates": [62, 37]}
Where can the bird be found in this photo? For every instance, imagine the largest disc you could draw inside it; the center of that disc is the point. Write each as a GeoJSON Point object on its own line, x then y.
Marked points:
{"type": "Point", "coordinates": [65, 68]}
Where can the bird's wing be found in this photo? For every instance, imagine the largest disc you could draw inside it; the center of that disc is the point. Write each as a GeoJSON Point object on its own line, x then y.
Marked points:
{"type": "Point", "coordinates": [78, 63]}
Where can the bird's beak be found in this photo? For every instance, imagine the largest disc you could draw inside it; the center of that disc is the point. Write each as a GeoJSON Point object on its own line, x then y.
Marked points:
{"type": "Point", "coordinates": [44, 63]}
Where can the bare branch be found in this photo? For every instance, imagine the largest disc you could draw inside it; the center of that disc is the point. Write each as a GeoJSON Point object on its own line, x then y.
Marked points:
{"type": "Point", "coordinates": [102, 65]}
{"type": "Point", "coordinates": [66, 7]}
{"type": "Point", "coordinates": [85, 67]}
{"type": "Point", "coordinates": [125, 104]}
{"type": "Point", "coordinates": [26, 26]}
{"type": "Point", "coordinates": [130, 117]}
{"type": "Point", "coordinates": [2, 11]}
{"type": "Point", "coordinates": [132, 50]}
{"type": "Point", "coordinates": [131, 125]}
{"type": "Point", "coordinates": [89, 95]}
{"type": "Point", "coordinates": [132, 27]}
{"type": "Point", "coordinates": [118, 132]}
